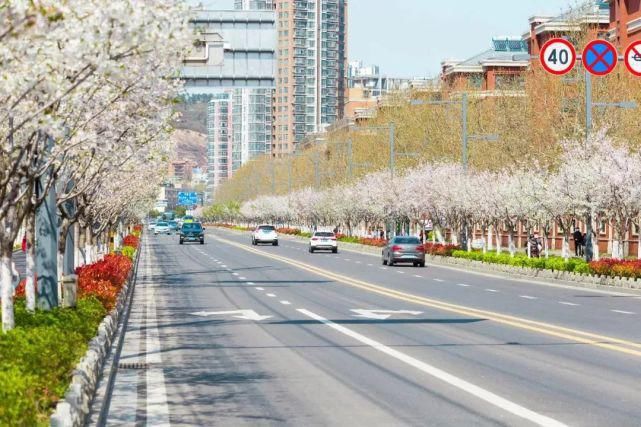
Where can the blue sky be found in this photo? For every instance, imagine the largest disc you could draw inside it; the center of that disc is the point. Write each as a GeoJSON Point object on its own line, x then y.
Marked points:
{"type": "Point", "coordinates": [408, 38]}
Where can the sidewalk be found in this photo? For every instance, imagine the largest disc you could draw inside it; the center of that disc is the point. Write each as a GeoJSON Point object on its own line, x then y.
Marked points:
{"type": "Point", "coordinates": [138, 395]}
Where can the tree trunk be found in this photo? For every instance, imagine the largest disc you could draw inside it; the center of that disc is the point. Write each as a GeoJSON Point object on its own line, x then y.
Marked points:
{"type": "Point", "coordinates": [565, 246]}
{"type": "Point", "coordinates": [499, 238]}
{"type": "Point", "coordinates": [6, 281]}
{"type": "Point", "coordinates": [30, 282]}
{"type": "Point", "coordinates": [589, 247]}
{"type": "Point", "coordinates": [511, 246]}
{"type": "Point", "coordinates": [484, 231]}
{"type": "Point", "coordinates": [88, 247]}
{"type": "Point", "coordinates": [62, 246]}
{"type": "Point", "coordinates": [489, 237]}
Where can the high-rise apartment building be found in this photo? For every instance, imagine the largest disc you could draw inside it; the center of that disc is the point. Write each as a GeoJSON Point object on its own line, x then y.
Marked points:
{"type": "Point", "coordinates": [219, 141]}
{"type": "Point", "coordinates": [253, 4]}
{"type": "Point", "coordinates": [311, 76]}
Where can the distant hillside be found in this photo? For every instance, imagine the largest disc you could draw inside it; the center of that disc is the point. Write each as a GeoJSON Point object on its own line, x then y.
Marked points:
{"type": "Point", "coordinates": [193, 110]}
{"type": "Point", "coordinates": [190, 145]}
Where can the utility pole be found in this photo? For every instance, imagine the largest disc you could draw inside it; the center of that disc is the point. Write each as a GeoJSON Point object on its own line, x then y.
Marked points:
{"type": "Point", "coordinates": [392, 154]}
{"type": "Point", "coordinates": [47, 242]}
{"type": "Point", "coordinates": [464, 138]}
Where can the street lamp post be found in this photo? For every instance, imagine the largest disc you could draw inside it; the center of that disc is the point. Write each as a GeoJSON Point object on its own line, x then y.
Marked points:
{"type": "Point", "coordinates": [589, 104]}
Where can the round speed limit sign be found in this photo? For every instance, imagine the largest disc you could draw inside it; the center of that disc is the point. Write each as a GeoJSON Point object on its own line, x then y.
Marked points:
{"type": "Point", "coordinates": [558, 56]}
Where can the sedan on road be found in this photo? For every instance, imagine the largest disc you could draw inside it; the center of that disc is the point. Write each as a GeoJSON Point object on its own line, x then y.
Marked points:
{"type": "Point", "coordinates": [192, 232]}
{"type": "Point", "coordinates": [404, 249]}
{"type": "Point", "coordinates": [162, 228]}
{"type": "Point", "coordinates": [323, 240]}
{"type": "Point", "coordinates": [265, 234]}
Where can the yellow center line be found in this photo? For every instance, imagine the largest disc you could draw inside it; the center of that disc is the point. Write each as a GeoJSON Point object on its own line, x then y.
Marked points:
{"type": "Point", "coordinates": [602, 341]}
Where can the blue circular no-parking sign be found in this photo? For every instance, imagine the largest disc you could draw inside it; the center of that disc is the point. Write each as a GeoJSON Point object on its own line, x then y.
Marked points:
{"type": "Point", "coordinates": [600, 57]}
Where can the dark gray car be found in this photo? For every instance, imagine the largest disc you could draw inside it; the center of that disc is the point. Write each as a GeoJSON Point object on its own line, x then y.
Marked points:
{"type": "Point", "coordinates": [404, 249]}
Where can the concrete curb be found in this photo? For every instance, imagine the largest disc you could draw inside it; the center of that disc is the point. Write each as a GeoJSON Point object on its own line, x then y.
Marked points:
{"type": "Point", "coordinates": [507, 271]}
{"type": "Point", "coordinates": [73, 409]}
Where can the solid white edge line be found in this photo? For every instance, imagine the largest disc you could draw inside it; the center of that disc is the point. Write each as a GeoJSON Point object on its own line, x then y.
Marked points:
{"type": "Point", "coordinates": [446, 377]}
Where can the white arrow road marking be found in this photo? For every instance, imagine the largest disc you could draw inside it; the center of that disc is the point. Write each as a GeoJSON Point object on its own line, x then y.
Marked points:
{"type": "Point", "coordinates": [239, 314]}
{"type": "Point", "coordinates": [622, 311]}
{"type": "Point", "coordinates": [381, 314]}
{"type": "Point", "coordinates": [444, 376]}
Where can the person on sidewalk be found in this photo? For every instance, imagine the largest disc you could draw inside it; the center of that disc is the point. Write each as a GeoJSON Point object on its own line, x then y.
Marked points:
{"type": "Point", "coordinates": [578, 242]}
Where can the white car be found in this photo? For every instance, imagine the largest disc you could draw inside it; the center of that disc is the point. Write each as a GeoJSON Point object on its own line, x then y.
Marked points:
{"type": "Point", "coordinates": [265, 234]}
{"type": "Point", "coordinates": [162, 228]}
{"type": "Point", "coordinates": [323, 240]}
{"type": "Point", "coordinates": [151, 226]}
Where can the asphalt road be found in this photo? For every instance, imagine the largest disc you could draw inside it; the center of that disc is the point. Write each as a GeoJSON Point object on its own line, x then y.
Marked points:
{"type": "Point", "coordinates": [465, 349]}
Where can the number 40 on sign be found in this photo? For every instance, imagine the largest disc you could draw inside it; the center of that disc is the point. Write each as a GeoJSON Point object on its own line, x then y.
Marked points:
{"type": "Point", "coordinates": [558, 56]}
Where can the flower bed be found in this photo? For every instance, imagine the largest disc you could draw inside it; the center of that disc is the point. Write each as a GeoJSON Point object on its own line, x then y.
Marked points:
{"type": "Point", "coordinates": [37, 358]}
{"type": "Point", "coordinates": [440, 249]}
{"type": "Point", "coordinates": [617, 268]}
{"type": "Point", "coordinates": [289, 231]}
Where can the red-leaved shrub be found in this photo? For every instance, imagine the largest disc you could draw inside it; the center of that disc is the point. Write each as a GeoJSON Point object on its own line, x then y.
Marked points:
{"type": "Point", "coordinates": [104, 279]}
{"type": "Point", "coordinates": [131, 240]}
{"type": "Point", "coordinates": [617, 267]}
{"type": "Point", "coordinates": [440, 249]}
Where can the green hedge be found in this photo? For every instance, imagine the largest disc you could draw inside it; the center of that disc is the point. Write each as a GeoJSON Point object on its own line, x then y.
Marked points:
{"type": "Point", "coordinates": [38, 356]}
{"type": "Point", "coordinates": [519, 260]}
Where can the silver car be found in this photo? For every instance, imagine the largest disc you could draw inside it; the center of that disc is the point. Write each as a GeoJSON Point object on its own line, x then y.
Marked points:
{"type": "Point", "coordinates": [162, 228]}
{"type": "Point", "coordinates": [404, 249]}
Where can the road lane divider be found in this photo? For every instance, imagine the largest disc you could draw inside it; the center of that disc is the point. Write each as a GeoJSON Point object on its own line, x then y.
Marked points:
{"type": "Point", "coordinates": [597, 340]}
{"type": "Point", "coordinates": [433, 371]}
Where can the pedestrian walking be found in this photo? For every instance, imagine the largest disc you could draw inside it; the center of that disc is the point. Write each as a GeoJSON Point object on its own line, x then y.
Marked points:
{"type": "Point", "coordinates": [578, 242]}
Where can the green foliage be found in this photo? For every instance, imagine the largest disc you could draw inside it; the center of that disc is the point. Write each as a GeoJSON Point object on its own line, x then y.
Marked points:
{"type": "Point", "coordinates": [520, 260]}
{"type": "Point", "coordinates": [38, 356]}
{"type": "Point", "coordinates": [153, 213]}
{"type": "Point", "coordinates": [180, 211]}
{"type": "Point", "coordinates": [129, 252]}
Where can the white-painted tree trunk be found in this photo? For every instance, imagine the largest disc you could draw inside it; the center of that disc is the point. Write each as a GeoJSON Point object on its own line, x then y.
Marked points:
{"type": "Point", "coordinates": [438, 235]}
{"type": "Point", "coordinates": [565, 248]}
{"type": "Point", "coordinates": [6, 281]}
{"type": "Point", "coordinates": [30, 255]}
{"type": "Point", "coordinates": [511, 246]}
{"type": "Point", "coordinates": [489, 238]}
{"type": "Point", "coordinates": [617, 249]}
{"type": "Point", "coordinates": [88, 246]}
{"type": "Point", "coordinates": [499, 242]}
{"type": "Point", "coordinates": [639, 245]}
{"type": "Point", "coordinates": [595, 248]}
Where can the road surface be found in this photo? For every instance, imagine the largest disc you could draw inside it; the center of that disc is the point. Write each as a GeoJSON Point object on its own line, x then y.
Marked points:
{"type": "Point", "coordinates": [231, 334]}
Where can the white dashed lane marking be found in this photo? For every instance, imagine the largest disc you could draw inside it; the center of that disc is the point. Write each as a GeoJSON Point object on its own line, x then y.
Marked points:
{"type": "Point", "coordinates": [271, 295]}
{"type": "Point", "coordinates": [567, 303]}
{"type": "Point", "coordinates": [623, 312]}
{"type": "Point", "coordinates": [438, 280]}
{"type": "Point", "coordinates": [285, 302]}
{"type": "Point", "coordinates": [527, 297]}
{"type": "Point", "coordinates": [260, 289]}
{"type": "Point", "coordinates": [491, 290]}
{"type": "Point", "coordinates": [463, 285]}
